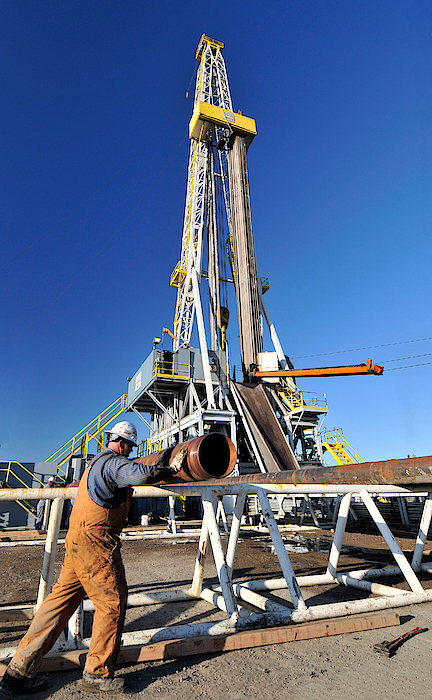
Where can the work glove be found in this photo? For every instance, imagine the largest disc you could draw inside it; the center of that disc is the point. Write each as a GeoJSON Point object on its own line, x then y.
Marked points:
{"type": "Point", "coordinates": [177, 461]}
{"type": "Point", "coordinates": [175, 464]}
{"type": "Point", "coordinates": [166, 468]}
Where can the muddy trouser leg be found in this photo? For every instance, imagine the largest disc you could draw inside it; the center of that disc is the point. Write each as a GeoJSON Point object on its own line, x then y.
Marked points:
{"type": "Point", "coordinates": [106, 587]}
{"type": "Point", "coordinates": [48, 623]}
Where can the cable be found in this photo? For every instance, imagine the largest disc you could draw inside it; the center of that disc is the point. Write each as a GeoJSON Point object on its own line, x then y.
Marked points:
{"type": "Point", "coordinates": [102, 186]}
{"type": "Point", "coordinates": [104, 245]}
{"type": "Point", "coordinates": [370, 347]}
{"type": "Point", "coordinates": [399, 359]}
{"type": "Point", "coordinates": [392, 369]}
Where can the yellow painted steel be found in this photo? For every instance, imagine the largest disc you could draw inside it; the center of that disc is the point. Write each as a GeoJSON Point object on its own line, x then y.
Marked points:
{"type": "Point", "coordinates": [334, 442]}
{"type": "Point", "coordinates": [179, 274]}
{"type": "Point", "coordinates": [93, 431]}
{"type": "Point", "coordinates": [204, 42]}
{"type": "Point", "coordinates": [147, 447]}
{"type": "Point", "coordinates": [205, 114]}
{"type": "Point", "coordinates": [171, 370]}
{"type": "Point", "coordinates": [265, 285]}
{"type": "Point", "coordinates": [293, 398]}
{"type": "Point", "coordinates": [9, 473]}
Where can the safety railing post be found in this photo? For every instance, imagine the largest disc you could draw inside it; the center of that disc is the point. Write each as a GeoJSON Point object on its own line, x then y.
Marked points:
{"type": "Point", "coordinates": [50, 550]}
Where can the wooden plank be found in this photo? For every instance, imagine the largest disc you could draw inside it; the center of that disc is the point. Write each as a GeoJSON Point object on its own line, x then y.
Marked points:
{"type": "Point", "coordinates": [17, 614]}
{"type": "Point", "coordinates": [179, 648]}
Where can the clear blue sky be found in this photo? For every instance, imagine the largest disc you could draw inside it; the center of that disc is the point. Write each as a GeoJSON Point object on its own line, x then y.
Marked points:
{"type": "Point", "coordinates": [341, 187]}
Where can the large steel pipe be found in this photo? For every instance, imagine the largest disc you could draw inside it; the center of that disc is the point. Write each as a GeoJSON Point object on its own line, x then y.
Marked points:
{"type": "Point", "coordinates": [415, 471]}
{"type": "Point", "coordinates": [387, 476]}
{"type": "Point", "coordinates": [210, 456]}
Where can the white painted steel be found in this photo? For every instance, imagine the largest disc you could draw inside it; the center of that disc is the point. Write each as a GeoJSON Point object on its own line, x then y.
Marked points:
{"type": "Point", "coordinates": [370, 586]}
{"type": "Point", "coordinates": [212, 87]}
{"type": "Point", "coordinates": [195, 489]}
{"type": "Point", "coordinates": [221, 515]}
{"type": "Point", "coordinates": [203, 340]}
{"type": "Point", "coordinates": [209, 500]}
{"type": "Point", "coordinates": [260, 601]}
{"type": "Point", "coordinates": [47, 508]}
{"type": "Point", "coordinates": [198, 576]}
{"type": "Point", "coordinates": [240, 618]}
{"type": "Point", "coordinates": [275, 584]}
{"type": "Point", "coordinates": [287, 570]}
{"type": "Point", "coordinates": [422, 533]}
{"type": "Point", "coordinates": [341, 522]}
{"type": "Point", "coordinates": [275, 340]}
{"type": "Point", "coordinates": [318, 612]}
{"type": "Point", "coordinates": [75, 627]}
{"type": "Point", "coordinates": [172, 520]}
{"type": "Point", "coordinates": [136, 600]}
{"type": "Point", "coordinates": [352, 607]}
{"type": "Point", "coordinates": [216, 598]}
{"type": "Point", "coordinates": [399, 556]}
{"type": "Point", "coordinates": [234, 532]}
{"type": "Point", "coordinates": [50, 550]}
{"type": "Point", "coordinates": [366, 574]}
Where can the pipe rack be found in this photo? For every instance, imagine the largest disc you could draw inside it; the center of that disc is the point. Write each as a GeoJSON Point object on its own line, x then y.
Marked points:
{"type": "Point", "coordinates": [232, 597]}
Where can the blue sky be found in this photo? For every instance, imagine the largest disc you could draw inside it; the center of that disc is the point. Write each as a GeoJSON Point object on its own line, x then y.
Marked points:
{"type": "Point", "coordinates": [341, 187]}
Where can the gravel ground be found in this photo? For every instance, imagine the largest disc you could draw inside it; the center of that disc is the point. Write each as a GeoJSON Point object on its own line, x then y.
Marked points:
{"type": "Point", "coordinates": [328, 667]}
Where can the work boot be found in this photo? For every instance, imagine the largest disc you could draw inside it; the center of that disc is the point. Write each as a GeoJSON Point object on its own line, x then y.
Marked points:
{"type": "Point", "coordinates": [20, 685]}
{"type": "Point", "coordinates": [93, 683]}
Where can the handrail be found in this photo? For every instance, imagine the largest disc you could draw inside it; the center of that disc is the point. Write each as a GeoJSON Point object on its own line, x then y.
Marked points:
{"type": "Point", "coordinates": [9, 472]}
{"type": "Point", "coordinates": [173, 370]}
{"type": "Point", "coordinates": [80, 441]}
{"type": "Point", "coordinates": [28, 507]}
{"type": "Point", "coordinates": [335, 438]}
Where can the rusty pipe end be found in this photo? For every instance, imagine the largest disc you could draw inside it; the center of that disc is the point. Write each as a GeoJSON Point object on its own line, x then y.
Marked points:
{"type": "Point", "coordinates": [211, 456]}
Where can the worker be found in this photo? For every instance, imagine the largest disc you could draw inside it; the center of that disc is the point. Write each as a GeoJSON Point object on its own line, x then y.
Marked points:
{"type": "Point", "coordinates": [92, 566]}
{"type": "Point", "coordinates": [42, 504]}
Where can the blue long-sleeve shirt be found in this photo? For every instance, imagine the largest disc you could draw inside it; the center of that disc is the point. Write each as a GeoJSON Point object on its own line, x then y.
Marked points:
{"type": "Point", "coordinates": [111, 474]}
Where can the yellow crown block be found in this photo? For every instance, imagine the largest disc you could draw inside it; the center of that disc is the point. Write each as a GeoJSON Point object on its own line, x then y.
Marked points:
{"type": "Point", "coordinates": [206, 114]}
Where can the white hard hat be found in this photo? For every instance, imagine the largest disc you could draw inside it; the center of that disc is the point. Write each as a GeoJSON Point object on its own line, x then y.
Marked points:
{"type": "Point", "coordinates": [125, 430]}
{"type": "Point", "coordinates": [51, 480]}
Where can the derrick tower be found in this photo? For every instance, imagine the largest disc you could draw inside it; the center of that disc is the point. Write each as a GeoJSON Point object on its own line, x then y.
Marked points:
{"type": "Point", "coordinates": [188, 391]}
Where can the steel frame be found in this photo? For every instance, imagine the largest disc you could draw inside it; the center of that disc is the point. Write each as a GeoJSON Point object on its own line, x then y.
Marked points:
{"type": "Point", "coordinates": [234, 598]}
{"type": "Point", "coordinates": [190, 416]}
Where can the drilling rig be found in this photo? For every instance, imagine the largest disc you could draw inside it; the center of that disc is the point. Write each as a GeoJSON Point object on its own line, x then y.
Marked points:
{"type": "Point", "coordinates": [190, 391]}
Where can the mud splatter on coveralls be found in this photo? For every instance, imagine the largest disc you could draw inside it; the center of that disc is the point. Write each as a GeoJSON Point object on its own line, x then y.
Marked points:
{"type": "Point", "coordinates": [92, 566]}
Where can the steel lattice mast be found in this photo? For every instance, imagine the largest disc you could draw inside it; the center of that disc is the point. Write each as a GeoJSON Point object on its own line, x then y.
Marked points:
{"type": "Point", "coordinates": [219, 142]}
{"type": "Point", "coordinates": [212, 88]}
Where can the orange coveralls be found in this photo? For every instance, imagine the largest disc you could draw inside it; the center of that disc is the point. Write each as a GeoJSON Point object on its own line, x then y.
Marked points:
{"type": "Point", "coordinates": [92, 566]}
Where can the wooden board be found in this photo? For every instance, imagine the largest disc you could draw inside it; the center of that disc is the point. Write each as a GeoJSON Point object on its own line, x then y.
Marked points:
{"type": "Point", "coordinates": [17, 614]}
{"type": "Point", "coordinates": [179, 648]}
